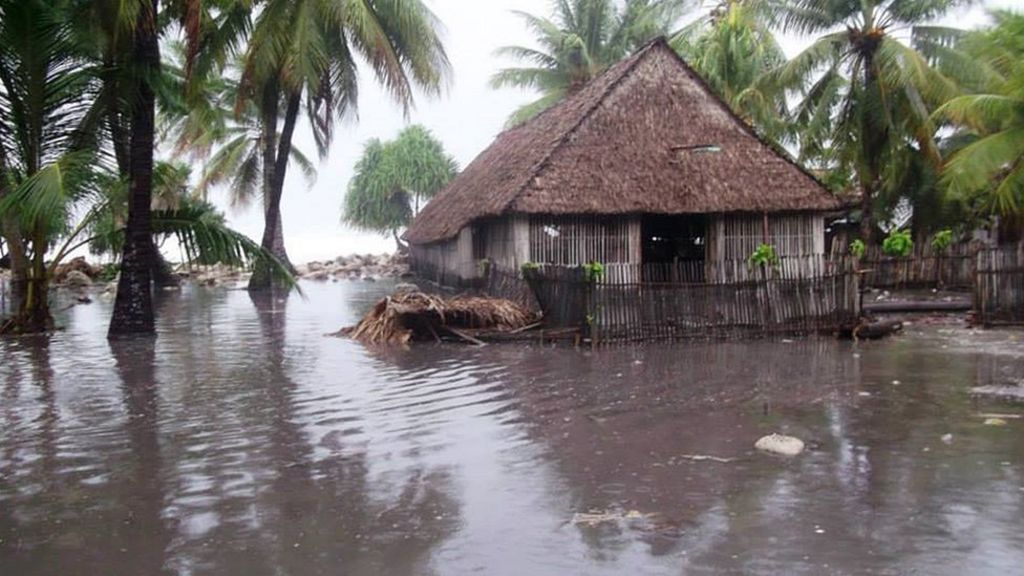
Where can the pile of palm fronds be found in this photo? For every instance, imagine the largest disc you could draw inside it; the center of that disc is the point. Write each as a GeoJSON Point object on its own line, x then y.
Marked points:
{"type": "Point", "coordinates": [407, 316]}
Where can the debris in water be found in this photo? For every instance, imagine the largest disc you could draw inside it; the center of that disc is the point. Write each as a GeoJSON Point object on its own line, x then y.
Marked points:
{"type": "Point", "coordinates": [704, 457]}
{"type": "Point", "coordinates": [780, 444]}
{"type": "Point", "coordinates": [1012, 393]}
{"type": "Point", "coordinates": [947, 438]}
{"type": "Point", "coordinates": [595, 518]}
{"type": "Point", "coordinates": [995, 422]}
{"type": "Point", "coordinates": [409, 315]}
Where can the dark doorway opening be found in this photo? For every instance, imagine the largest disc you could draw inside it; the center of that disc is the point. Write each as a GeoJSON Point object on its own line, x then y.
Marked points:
{"type": "Point", "coordinates": [674, 248]}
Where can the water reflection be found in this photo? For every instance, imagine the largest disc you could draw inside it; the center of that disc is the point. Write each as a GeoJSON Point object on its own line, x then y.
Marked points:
{"type": "Point", "coordinates": [244, 441]}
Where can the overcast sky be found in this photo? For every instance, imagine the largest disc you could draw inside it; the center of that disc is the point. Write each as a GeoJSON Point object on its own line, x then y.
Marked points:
{"type": "Point", "coordinates": [466, 119]}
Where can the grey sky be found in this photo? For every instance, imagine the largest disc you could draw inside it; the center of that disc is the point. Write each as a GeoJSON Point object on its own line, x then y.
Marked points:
{"type": "Point", "coordinates": [466, 119]}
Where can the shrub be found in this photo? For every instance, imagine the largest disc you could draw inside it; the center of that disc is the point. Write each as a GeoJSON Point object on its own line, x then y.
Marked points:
{"type": "Point", "coordinates": [898, 243]}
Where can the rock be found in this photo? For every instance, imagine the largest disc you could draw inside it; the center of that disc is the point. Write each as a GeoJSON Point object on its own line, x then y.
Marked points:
{"type": "Point", "coordinates": [320, 275]}
{"type": "Point", "coordinates": [369, 279]}
{"type": "Point", "coordinates": [77, 279]}
{"type": "Point", "coordinates": [780, 444]}
{"type": "Point", "coordinates": [403, 287]}
{"type": "Point", "coordinates": [60, 274]}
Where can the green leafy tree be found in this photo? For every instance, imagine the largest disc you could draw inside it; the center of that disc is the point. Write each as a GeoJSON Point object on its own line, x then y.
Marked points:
{"type": "Point", "coordinates": [208, 128]}
{"type": "Point", "coordinates": [394, 179]}
{"type": "Point", "coordinates": [732, 48]}
{"type": "Point", "coordinates": [990, 167]}
{"type": "Point", "coordinates": [865, 94]}
{"type": "Point", "coordinates": [303, 54]}
{"type": "Point", "coordinates": [48, 166]}
{"type": "Point", "coordinates": [581, 40]}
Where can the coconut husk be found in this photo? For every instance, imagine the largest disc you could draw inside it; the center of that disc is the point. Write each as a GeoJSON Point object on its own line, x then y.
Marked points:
{"type": "Point", "coordinates": [407, 316]}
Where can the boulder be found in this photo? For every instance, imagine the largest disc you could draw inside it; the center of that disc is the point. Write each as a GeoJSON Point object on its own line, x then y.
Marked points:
{"type": "Point", "coordinates": [780, 444]}
{"type": "Point", "coordinates": [60, 274]}
{"type": "Point", "coordinates": [77, 279]}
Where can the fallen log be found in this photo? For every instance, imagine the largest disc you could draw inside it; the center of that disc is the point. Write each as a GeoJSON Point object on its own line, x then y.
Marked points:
{"type": "Point", "coordinates": [918, 306]}
{"type": "Point", "coordinates": [871, 330]}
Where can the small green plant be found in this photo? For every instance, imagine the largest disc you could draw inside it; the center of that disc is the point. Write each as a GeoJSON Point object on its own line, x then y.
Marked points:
{"type": "Point", "coordinates": [593, 271]}
{"type": "Point", "coordinates": [858, 248]}
{"type": "Point", "coordinates": [898, 243]}
{"type": "Point", "coordinates": [529, 269]}
{"type": "Point", "coordinates": [942, 240]}
{"type": "Point", "coordinates": [109, 272]}
{"type": "Point", "coordinates": [764, 256]}
{"type": "Point", "coordinates": [483, 266]}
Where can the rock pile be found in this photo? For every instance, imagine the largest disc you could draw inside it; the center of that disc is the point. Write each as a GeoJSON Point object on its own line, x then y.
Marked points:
{"type": "Point", "coordinates": [368, 267]}
{"type": "Point", "coordinates": [76, 273]}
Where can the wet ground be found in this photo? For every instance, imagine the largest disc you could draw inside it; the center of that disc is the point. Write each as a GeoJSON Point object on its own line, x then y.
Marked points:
{"type": "Point", "coordinates": [244, 441]}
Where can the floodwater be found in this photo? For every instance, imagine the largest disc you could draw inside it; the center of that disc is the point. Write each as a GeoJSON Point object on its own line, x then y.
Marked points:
{"type": "Point", "coordinates": [244, 441]}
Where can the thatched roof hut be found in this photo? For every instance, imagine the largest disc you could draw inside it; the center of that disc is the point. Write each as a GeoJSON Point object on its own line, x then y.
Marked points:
{"type": "Point", "coordinates": [648, 138]}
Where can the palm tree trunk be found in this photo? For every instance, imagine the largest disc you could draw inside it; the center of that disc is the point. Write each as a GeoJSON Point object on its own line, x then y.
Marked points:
{"type": "Point", "coordinates": [275, 165]}
{"type": "Point", "coordinates": [11, 232]}
{"type": "Point", "coordinates": [133, 308]}
{"type": "Point", "coordinates": [873, 137]}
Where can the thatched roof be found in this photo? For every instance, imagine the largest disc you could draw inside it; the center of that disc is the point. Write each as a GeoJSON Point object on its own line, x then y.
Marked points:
{"type": "Point", "coordinates": [634, 140]}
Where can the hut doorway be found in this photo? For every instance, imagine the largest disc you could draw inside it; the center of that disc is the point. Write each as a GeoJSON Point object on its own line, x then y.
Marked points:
{"type": "Point", "coordinates": [673, 248]}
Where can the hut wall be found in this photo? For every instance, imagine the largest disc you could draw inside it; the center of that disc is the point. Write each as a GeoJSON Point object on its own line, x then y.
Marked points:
{"type": "Point", "coordinates": [576, 240]}
{"type": "Point", "coordinates": [449, 262]}
{"type": "Point", "coordinates": [615, 242]}
{"type": "Point", "coordinates": [736, 237]}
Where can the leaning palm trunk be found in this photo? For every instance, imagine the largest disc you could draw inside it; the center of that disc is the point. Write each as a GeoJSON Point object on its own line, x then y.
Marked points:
{"type": "Point", "coordinates": [275, 164]}
{"type": "Point", "coordinates": [133, 309]}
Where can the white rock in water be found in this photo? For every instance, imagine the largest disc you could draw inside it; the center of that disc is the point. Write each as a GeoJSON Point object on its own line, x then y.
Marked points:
{"type": "Point", "coordinates": [779, 444]}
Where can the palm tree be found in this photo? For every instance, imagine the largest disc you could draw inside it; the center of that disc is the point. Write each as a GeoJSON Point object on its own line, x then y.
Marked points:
{"type": "Point", "coordinates": [394, 179]}
{"type": "Point", "coordinates": [992, 165]}
{"type": "Point", "coordinates": [581, 40]}
{"type": "Point", "coordinates": [732, 48]}
{"type": "Point", "coordinates": [48, 97]}
{"type": "Point", "coordinates": [303, 52]}
{"type": "Point", "coordinates": [209, 129]}
{"type": "Point", "coordinates": [865, 93]}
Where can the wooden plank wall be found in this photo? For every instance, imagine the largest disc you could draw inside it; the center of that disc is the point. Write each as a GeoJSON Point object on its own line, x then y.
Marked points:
{"type": "Point", "coordinates": [791, 234]}
{"type": "Point", "coordinates": [925, 267]}
{"type": "Point", "coordinates": [576, 240]}
{"type": "Point", "coordinates": [999, 285]}
{"type": "Point", "coordinates": [615, 311]}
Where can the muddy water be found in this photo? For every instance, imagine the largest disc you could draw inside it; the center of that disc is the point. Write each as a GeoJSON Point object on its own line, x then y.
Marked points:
{"type": "Point", "coordinates": [243, 441]}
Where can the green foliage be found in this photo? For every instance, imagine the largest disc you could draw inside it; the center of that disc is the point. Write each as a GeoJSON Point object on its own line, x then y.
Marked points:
{"type": "Point", "coordinates": [581, 40]}
{"type": "Point", "coordinates": [392, 179]}
{"type": "Point", "coordinates": [108, 272]}
{"type": "Point", "coordinates": [858, 248]}
{"type": "Point", "coordinates": [988, 169]}
{"type": "Point", "coordinates": [898, 243]}
{"type": "Point", "coordinates": [483, 267]}
{"type": "Point", "coordinates": [529, 269]}
{"type": "Point", "coordinates": [942, 239]}
{"type": "Point", "coordinates": [867, 84]}
{"type": "Point", "coordinates": [764, 255]}
{"type": "Point", "coordinates": [732, 48]}
{"type": "Point", "coordinates": [593, 272]}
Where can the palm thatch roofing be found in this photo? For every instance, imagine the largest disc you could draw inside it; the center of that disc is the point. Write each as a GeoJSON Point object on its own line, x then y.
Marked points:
{"type": "Point", "coordinates": [647, 136]}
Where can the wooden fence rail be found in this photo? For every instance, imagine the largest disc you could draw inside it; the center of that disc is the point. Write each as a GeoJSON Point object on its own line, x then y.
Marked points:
{"type": "Point", "coordinates": [999, 286]}
{"type": "Point", "coordinates": [615, 311]}
{"type": "Point", "coordinates": [925, 267]}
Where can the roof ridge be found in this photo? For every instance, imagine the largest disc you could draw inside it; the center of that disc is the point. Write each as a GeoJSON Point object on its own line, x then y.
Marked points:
{"type": "Point", "coordinates": [633, 60]}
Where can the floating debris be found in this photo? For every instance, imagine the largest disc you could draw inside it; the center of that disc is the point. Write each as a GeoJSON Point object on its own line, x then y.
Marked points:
{"type": "Point", "coordinates": [596, 518]}
{"type": "Point", "coordinates": [409, 315]}
{"type": "Point", "coordinates": [780, 444]}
